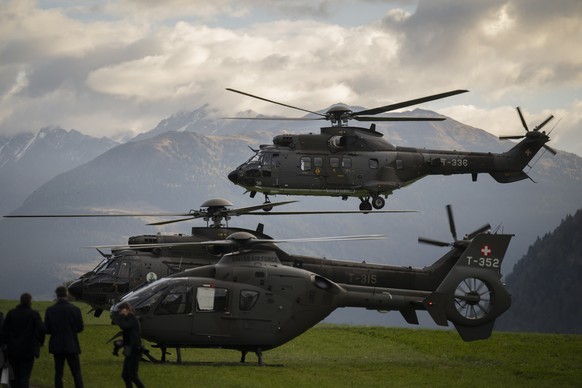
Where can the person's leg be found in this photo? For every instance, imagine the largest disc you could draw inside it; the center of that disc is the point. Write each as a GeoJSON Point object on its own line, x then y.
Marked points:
{"type": "Point", "coordinates": [59, 368]}
{"type": "Point", "coordinates": [75, 366]}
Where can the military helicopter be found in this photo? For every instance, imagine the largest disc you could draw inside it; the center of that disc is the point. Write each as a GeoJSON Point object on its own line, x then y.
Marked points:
{"type": "Point", "coordinates": [346, 161]}
{"type": "Point", "coordinates": [146, 258]}
{"type": "Point", "coordinates": [251, 302]}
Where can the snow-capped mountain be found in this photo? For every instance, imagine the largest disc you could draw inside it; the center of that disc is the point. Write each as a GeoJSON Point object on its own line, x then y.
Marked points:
{"type": "Point", "coordinates": [31, 159]}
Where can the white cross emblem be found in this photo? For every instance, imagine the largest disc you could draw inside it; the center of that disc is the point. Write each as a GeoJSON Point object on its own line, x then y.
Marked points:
{"type": "Point", "coordinates": [528, 152]}
{"type": "Point", "coordinates": [486, 251]}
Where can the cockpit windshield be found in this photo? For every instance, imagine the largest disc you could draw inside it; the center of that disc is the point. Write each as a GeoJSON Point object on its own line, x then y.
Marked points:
{"type": "Point", "coordinates": [107, 266]}
{"type": "Point", "coordinates": [255, 159]}
{"type": "Point", "coordinates": [102, 264]}
{"type": "Point", "coordinates": [144, 298]}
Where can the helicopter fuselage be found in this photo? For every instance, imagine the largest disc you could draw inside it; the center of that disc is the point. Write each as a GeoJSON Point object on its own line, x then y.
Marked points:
{"type": "Point", "coordinates": [250, 301]}
{"type": "Point", "coordinates": [358, 162]}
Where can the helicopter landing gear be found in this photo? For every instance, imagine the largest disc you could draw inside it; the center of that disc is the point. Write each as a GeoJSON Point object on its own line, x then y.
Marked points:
{"type": "Point", "coordinates": [258, 352]}
{"type": "Point", "coordinates": [365, 205]}
{"type": "Point", "coordinates": [378, 202]}
{"type": "Point", "coordinates": [267, 200]}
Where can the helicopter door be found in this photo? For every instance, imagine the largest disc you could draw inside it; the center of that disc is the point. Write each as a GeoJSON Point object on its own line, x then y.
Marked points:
{"type": "Point", "coordinates": [175, 310]}
{"type": "Point", "coordinates": [312, 167]}
{"type": "Point", "coordinates": [341, 175]}
{"type": "Point", "coordinates": [270, 167]}
{"type": "Point", "coordinates": [212, 313]}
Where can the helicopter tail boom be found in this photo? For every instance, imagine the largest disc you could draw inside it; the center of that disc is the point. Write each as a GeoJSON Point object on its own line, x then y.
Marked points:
{"type": "Point", "coordinates": [470, 295]}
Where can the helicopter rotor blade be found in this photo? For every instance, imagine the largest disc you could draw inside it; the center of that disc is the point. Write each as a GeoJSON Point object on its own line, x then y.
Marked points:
{"type": "Point", "coordinates": [404, 104]}
{"type": "Point", "coordinates": [550, 149]}
{"type": "Point", "coordinates": [452, 221]}
{"type": "Point", "coordinates": [248, 209]}
{"type": "Point", "coordinates": [95, 215]}
{"type": "Point", "coordinates": [511, 137]}
{"type": "Point", "coordinates": [245, 242]}
{"type": "Point", "coordinates": [307, 212]}
{"type": "Point", "coordinates": [367, 118]}
{"type": "Point", "coordinates": [544, 123]}
{"type": "Point", "coordinates": [276, 118]}
{"type": "Point", "coordinates": [172, 221]}
{"type": "Point", "coordinates": [274, 102]}
{"type": "Point", "coordinates": [474, 233]}
{"type": "Point", "coordinates": [430, 241]}
{"type": "Point", "coordinates": [522, 119]}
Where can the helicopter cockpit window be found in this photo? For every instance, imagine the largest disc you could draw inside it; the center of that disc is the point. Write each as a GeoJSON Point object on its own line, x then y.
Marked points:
{"type": "Point", "coordinates": [101, 266]}
{"type": "Point", "coordinates": [111, 268]}
{"type": "Point", "coordinates": [248, 299]}
{"type": "Point", "coordinates": [347, 162]}
{"type": "Point", "coordinates": [124, 270]}
{"type": "Point", "coordinates": [211, 299]}
{"type": "Point", "coordinates": [143, 299]}
{"type": "Point", "coordinates": [255, 159]}
{"type": "Point", "coordinates": [305, 163]}
{"type": "Point", "coordinates": [267, 160]}
{"type": "Point", "coordinates": [374, 163]}
{"type": "Point", "coordinates": [177, 301]}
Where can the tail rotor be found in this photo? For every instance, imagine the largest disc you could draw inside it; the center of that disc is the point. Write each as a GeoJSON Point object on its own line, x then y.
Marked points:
{"type": "Point", "coordinates": [534, 133]}
{"type": "Point", "coordinates": [456, 242]}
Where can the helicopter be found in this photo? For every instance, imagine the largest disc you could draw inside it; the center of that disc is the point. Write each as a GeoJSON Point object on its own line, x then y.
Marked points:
{"type": "Point", "coordinates": [250, 301]}
{"type": "Point", "coordinates": [145, 259]}
{"type": "Point", "coordinates": [346, 161]}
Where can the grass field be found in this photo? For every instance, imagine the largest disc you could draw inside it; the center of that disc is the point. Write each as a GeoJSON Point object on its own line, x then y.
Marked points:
{"type": "Point", "coordinates": [341, 356]}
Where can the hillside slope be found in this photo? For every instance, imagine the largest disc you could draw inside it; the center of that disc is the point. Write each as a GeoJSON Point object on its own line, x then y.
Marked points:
{"type": "Point", "coordinates": [546, 283]}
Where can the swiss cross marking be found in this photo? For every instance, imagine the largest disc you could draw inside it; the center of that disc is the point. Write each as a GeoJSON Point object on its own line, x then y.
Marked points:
{"type": "Point", "coordinates": [486, 251]}
{"type": "Point", "coordinates": [528, 152]}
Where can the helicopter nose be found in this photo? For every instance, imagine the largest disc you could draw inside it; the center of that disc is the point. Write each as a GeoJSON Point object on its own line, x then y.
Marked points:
{"type": "Point", "coordinates": [233, 176]}
{"type": "Point", "coordinates": [76, 289]}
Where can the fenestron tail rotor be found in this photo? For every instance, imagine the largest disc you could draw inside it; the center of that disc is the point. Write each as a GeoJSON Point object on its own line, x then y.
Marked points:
{"type": "Point", "coordinates": [456, 242]}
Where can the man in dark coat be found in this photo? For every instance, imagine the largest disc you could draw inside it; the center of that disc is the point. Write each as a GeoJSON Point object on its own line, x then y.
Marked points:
{"type": "Point", "coordinates": [132, 348]}
{"type": "Point", "coordinates": [63, 322]}
{"type": "Point", "coordinates": [23, 334]}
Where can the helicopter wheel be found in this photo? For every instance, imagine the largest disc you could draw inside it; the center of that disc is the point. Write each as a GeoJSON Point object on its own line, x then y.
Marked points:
{"type": "Point", "coordinates": [267, 200]}
{"type": "Point", "coordinates": [378, 202]}
{"type": "Point", "coordinates": [365, 205]}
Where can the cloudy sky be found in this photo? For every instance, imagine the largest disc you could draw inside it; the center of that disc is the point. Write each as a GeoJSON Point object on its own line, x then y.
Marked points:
{"type": "Point", "coordinates": [108, 68]}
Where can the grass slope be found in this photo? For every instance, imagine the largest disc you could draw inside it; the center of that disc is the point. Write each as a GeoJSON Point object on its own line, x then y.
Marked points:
{"type": "Point", "coordinates": [342, 356]}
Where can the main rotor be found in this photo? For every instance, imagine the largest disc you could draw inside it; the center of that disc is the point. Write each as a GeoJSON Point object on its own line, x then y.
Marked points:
{"type": "Point", "coordinates": [340, 114]}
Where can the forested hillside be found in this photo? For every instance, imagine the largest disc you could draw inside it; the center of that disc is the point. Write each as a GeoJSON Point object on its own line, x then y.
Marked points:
{"type": "Point", "coordinates": [546, 283]}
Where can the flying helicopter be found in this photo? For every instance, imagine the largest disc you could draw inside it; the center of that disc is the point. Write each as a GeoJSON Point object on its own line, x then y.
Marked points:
{"type": "Point", "coordinates": [347, 161]}
{"type": "Point", "coordinates": [146, 258]}
{"type": "Point", "coordinates": [251, 302]}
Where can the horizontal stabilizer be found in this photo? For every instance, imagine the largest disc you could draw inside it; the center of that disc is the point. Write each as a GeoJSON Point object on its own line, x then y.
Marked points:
{"type": "Point", "coordinates": [410, 316]}
{"type": "Point", "coordinates": [509, 176]}
{"type": "Point", "coordinates": [474, 333]}
{"type": "Point", "coordinates": [436, 304]}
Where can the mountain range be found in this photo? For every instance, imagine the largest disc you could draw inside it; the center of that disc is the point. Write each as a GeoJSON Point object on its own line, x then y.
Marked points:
{"type": "Point", "coordinates": [29, 160]}
{"type": "Point", "coordinates": [184, 161]}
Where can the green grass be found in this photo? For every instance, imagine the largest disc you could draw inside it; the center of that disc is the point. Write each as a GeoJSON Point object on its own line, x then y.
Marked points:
{"type": "Point", "coordinates": [342, 356]}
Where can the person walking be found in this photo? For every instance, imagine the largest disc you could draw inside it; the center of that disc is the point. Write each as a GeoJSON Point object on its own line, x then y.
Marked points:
{"type": "Point", "coordinates": [63, 322]}
{"type": "Point", "coordinates": [132, 347]}
{"type": "Point", "coordinates": [23, 334]}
